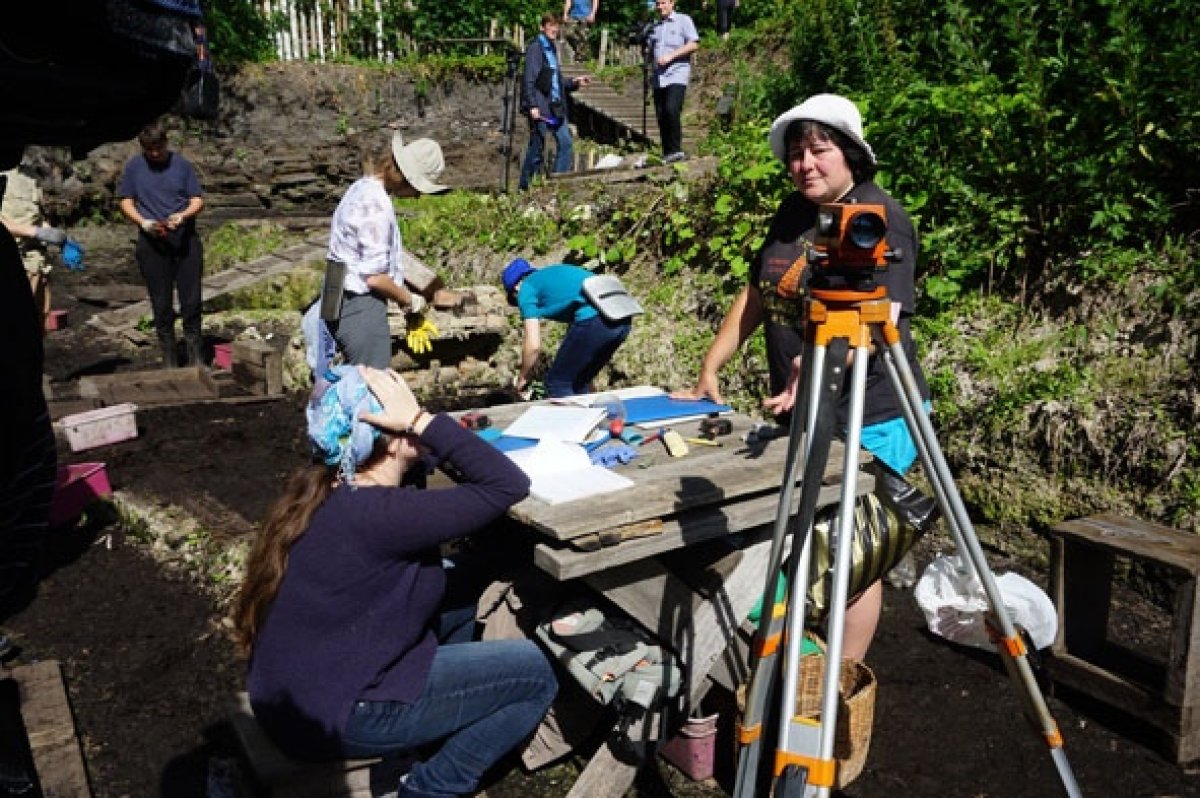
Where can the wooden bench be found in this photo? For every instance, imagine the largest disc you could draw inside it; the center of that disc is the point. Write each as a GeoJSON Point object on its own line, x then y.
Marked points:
{"type": "Point", "coordinates": [1165, 695]}
{"type": "Point", "coordinates": [278, 775]}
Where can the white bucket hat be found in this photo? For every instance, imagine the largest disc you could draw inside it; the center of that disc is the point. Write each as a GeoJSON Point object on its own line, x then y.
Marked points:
{"type": "Point", "coordinates": [829, 109]}
{"type": "Point", "coordinates": [421, 162]}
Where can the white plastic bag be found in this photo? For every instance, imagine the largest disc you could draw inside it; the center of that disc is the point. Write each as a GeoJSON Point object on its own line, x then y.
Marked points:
{"type": "Point", "coordinates": [955, 604]}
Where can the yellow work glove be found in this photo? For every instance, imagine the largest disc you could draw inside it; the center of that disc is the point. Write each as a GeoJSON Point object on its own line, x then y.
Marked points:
{"type": "Point", "coordinates": [421, 331]}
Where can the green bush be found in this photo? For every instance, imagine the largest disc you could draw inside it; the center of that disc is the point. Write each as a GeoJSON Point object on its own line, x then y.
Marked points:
{"type": "Point", "coordinates": [1017, 133]}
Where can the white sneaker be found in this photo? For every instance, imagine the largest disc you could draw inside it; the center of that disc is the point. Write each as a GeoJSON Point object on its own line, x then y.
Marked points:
{"type": "Point", "coordinates": [675, 157]}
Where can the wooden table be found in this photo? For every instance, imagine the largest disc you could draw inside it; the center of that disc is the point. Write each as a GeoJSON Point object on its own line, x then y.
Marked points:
{"type": "Point", "coordinates": [629, 545]}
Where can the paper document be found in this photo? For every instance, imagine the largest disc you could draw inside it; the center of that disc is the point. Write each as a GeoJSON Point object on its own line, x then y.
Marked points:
{"type": "Point", "coordinates": [562, 472]}
{"type": "Point", "coordinates": [556, 423]}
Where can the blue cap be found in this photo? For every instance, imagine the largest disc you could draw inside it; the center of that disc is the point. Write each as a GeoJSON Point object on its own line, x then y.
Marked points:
{"type": "Point", "coordinates": [512, 275]}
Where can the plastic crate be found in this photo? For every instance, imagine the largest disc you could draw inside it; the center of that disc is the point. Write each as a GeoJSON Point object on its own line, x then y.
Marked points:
{"type": "Point", "coordinates": [100, 427]}
{"type": "Point", "coordinates": [77, 486]}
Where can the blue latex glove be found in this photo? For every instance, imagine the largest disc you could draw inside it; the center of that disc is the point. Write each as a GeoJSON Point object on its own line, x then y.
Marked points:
{"type": "Point", "coordinates": [72, 255]}
{"type": "Point", "coordinates": [609, 456]}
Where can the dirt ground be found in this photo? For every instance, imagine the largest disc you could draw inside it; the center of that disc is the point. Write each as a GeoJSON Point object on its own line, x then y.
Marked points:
{"type": "Point", "coordinates": [151, 674]}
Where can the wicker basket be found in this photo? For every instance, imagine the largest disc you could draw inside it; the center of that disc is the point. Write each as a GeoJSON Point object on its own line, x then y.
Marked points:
{"type": "Point", "coordinates": [856, 710]}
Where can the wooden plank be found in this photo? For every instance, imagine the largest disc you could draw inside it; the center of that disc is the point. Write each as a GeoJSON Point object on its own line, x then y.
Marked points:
{"type": "Point", "coordinates": [258, 367]}
{"type": "Point", "coordinates": [685, 530]}
{"type": "Point", "coordinates": [150, 387]}
{"type": "Point", "coordinates": [1183, 657]}
{"type": "Point", "coordinates": [46, 713]}
{"type": "Point", "coordinates": [65, 407]}
{"type": "Point", "coordinates": [605, 775]}
{"type": "Point", "coordinates": [1132, 537]}
{"type": "Point", "coordinates": [700, 628]}
{"type": "Point", "coordinates": [1180, 726]}
{"type": "Point", "coordinates": [256, 352]}
{"type": "Point", "coordinates": [109, 294]}
{"type": "Point", "coordinates": [706, 476]}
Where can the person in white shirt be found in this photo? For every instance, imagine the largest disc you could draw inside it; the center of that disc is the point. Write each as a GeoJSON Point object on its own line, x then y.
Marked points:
{"type": "Point", "coordinates": [365, 238]}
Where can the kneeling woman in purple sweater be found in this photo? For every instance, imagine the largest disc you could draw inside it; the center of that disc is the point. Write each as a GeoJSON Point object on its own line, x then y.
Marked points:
{"type": "Point", "coordinates": [351, 652]}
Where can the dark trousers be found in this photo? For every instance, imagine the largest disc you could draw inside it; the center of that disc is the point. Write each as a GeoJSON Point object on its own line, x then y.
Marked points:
{"type": "Point", "coordinates": [169, 267]}
{"type": "Point", "coordinates": [668, 107]}
{"type": "Point", "coordinates": [564, 156]}
{"type": "Point", "coordinates": [585, 350]}
{"type": "Point", "coordinates": [724, 15]}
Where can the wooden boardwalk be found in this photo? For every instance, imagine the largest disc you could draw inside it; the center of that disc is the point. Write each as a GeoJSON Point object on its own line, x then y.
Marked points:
{"type": "Point", "coordinates": [621, 115]}
{"type": "Point", "coordinates": [123, 321]}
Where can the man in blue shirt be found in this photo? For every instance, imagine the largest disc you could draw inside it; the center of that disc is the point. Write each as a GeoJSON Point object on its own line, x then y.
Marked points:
{"type": "Point", "coordinates": [161, 194]}
{"type": "Point", "coordinates": [544, 99]}
{"type": "Point", "coordinates": [556, 293]}
{"type": "Point", "coordinates": [672, 42]}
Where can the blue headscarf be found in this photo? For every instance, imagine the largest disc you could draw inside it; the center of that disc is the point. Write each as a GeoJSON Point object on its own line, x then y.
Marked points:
{"type": "Point", "coordinates": [336, 433]}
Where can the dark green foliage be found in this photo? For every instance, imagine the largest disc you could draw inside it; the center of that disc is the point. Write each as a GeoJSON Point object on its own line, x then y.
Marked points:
{"type": "Point", "coordinates": [1018, 133]}
{"type": "Point", "coordinates": [237, 32]}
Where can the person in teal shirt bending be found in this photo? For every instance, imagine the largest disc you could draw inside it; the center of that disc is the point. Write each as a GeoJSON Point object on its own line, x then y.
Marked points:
{"type": "Point", "coordinates": [556, 293]}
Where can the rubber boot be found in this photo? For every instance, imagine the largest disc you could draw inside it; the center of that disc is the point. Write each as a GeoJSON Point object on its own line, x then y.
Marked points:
{"type": "Point", "coordinates": [195, 350]}
{"type": "Point", "coordinates": [170, 356]}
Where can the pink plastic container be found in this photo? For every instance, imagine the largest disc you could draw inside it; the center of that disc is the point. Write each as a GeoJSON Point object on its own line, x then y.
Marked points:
{"type": "Point", "coordinates": [223, 356]}
{"type": "Point", "coordinates": [78, 486]}
{"type": "Point", "coordinates": [56, 320]}
{"type": "Point", "coordinates": [692, 750]}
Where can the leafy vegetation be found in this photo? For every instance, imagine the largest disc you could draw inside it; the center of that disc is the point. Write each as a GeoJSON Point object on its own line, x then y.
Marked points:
{"type": "Point", "coordinates": [231, 244]}
{"type": "Point", "coordinates": [1048, 153]}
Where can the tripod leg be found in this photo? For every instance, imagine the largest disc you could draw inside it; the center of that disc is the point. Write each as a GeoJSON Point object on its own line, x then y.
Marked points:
{"type": "Point", "coordinates": [803, 742]}
{"type": "Point", "coordinates": [1011, 647]}
{"type": "Point", "coordinates": [770, 626]}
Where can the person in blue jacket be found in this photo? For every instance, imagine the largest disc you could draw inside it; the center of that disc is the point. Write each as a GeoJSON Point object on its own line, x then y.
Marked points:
{"type": "Point", "coordinates": [556, 293]}
{"type": "Point", "coordinates": [544, 101]}
{"type": "Point", "coordinates": [356, 649]}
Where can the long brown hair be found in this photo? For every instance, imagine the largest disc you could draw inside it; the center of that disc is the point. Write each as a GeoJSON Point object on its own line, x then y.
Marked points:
{"type": "Point", "coordinates": [287, 520]}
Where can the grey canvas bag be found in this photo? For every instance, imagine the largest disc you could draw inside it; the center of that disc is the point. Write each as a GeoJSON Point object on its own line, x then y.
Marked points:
{"type": "Point", "coordinates": [610, 297]}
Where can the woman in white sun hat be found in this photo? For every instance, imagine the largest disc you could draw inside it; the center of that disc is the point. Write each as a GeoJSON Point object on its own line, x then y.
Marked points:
{"type": "Point", "coordinates": [821, 144]}
{"type": "Point", "coordinates": [365, 247]}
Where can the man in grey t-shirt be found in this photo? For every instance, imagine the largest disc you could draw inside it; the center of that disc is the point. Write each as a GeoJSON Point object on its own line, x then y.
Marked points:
{"type": "Point", "coordinates": [671, 42]}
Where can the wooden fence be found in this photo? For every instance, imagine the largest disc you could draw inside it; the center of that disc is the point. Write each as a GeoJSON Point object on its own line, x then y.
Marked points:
{"type": "Point", "coordinates": [323, 31]}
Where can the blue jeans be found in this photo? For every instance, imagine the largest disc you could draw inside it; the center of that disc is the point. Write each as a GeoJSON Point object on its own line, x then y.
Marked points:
{"type": "Point", "coordinates": [586, 348]}
{"type": "Point", "coordinates": [480, 701]}
{"type": "Point", "coordinates": [564, 157]}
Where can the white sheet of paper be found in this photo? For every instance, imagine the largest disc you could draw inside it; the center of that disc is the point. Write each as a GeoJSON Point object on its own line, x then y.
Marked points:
{"type": "Point", "coordinates": [556, 423]}
{"type": "Point", "coordinates": [562, 472]}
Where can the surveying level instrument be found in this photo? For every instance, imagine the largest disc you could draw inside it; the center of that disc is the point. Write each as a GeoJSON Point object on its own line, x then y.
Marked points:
{"type": "Point", "coordinates": [844, 308]}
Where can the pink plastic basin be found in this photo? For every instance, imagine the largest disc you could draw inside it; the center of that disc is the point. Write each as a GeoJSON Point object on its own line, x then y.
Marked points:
{"type": "Point", "coordinates": [78, 485]}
